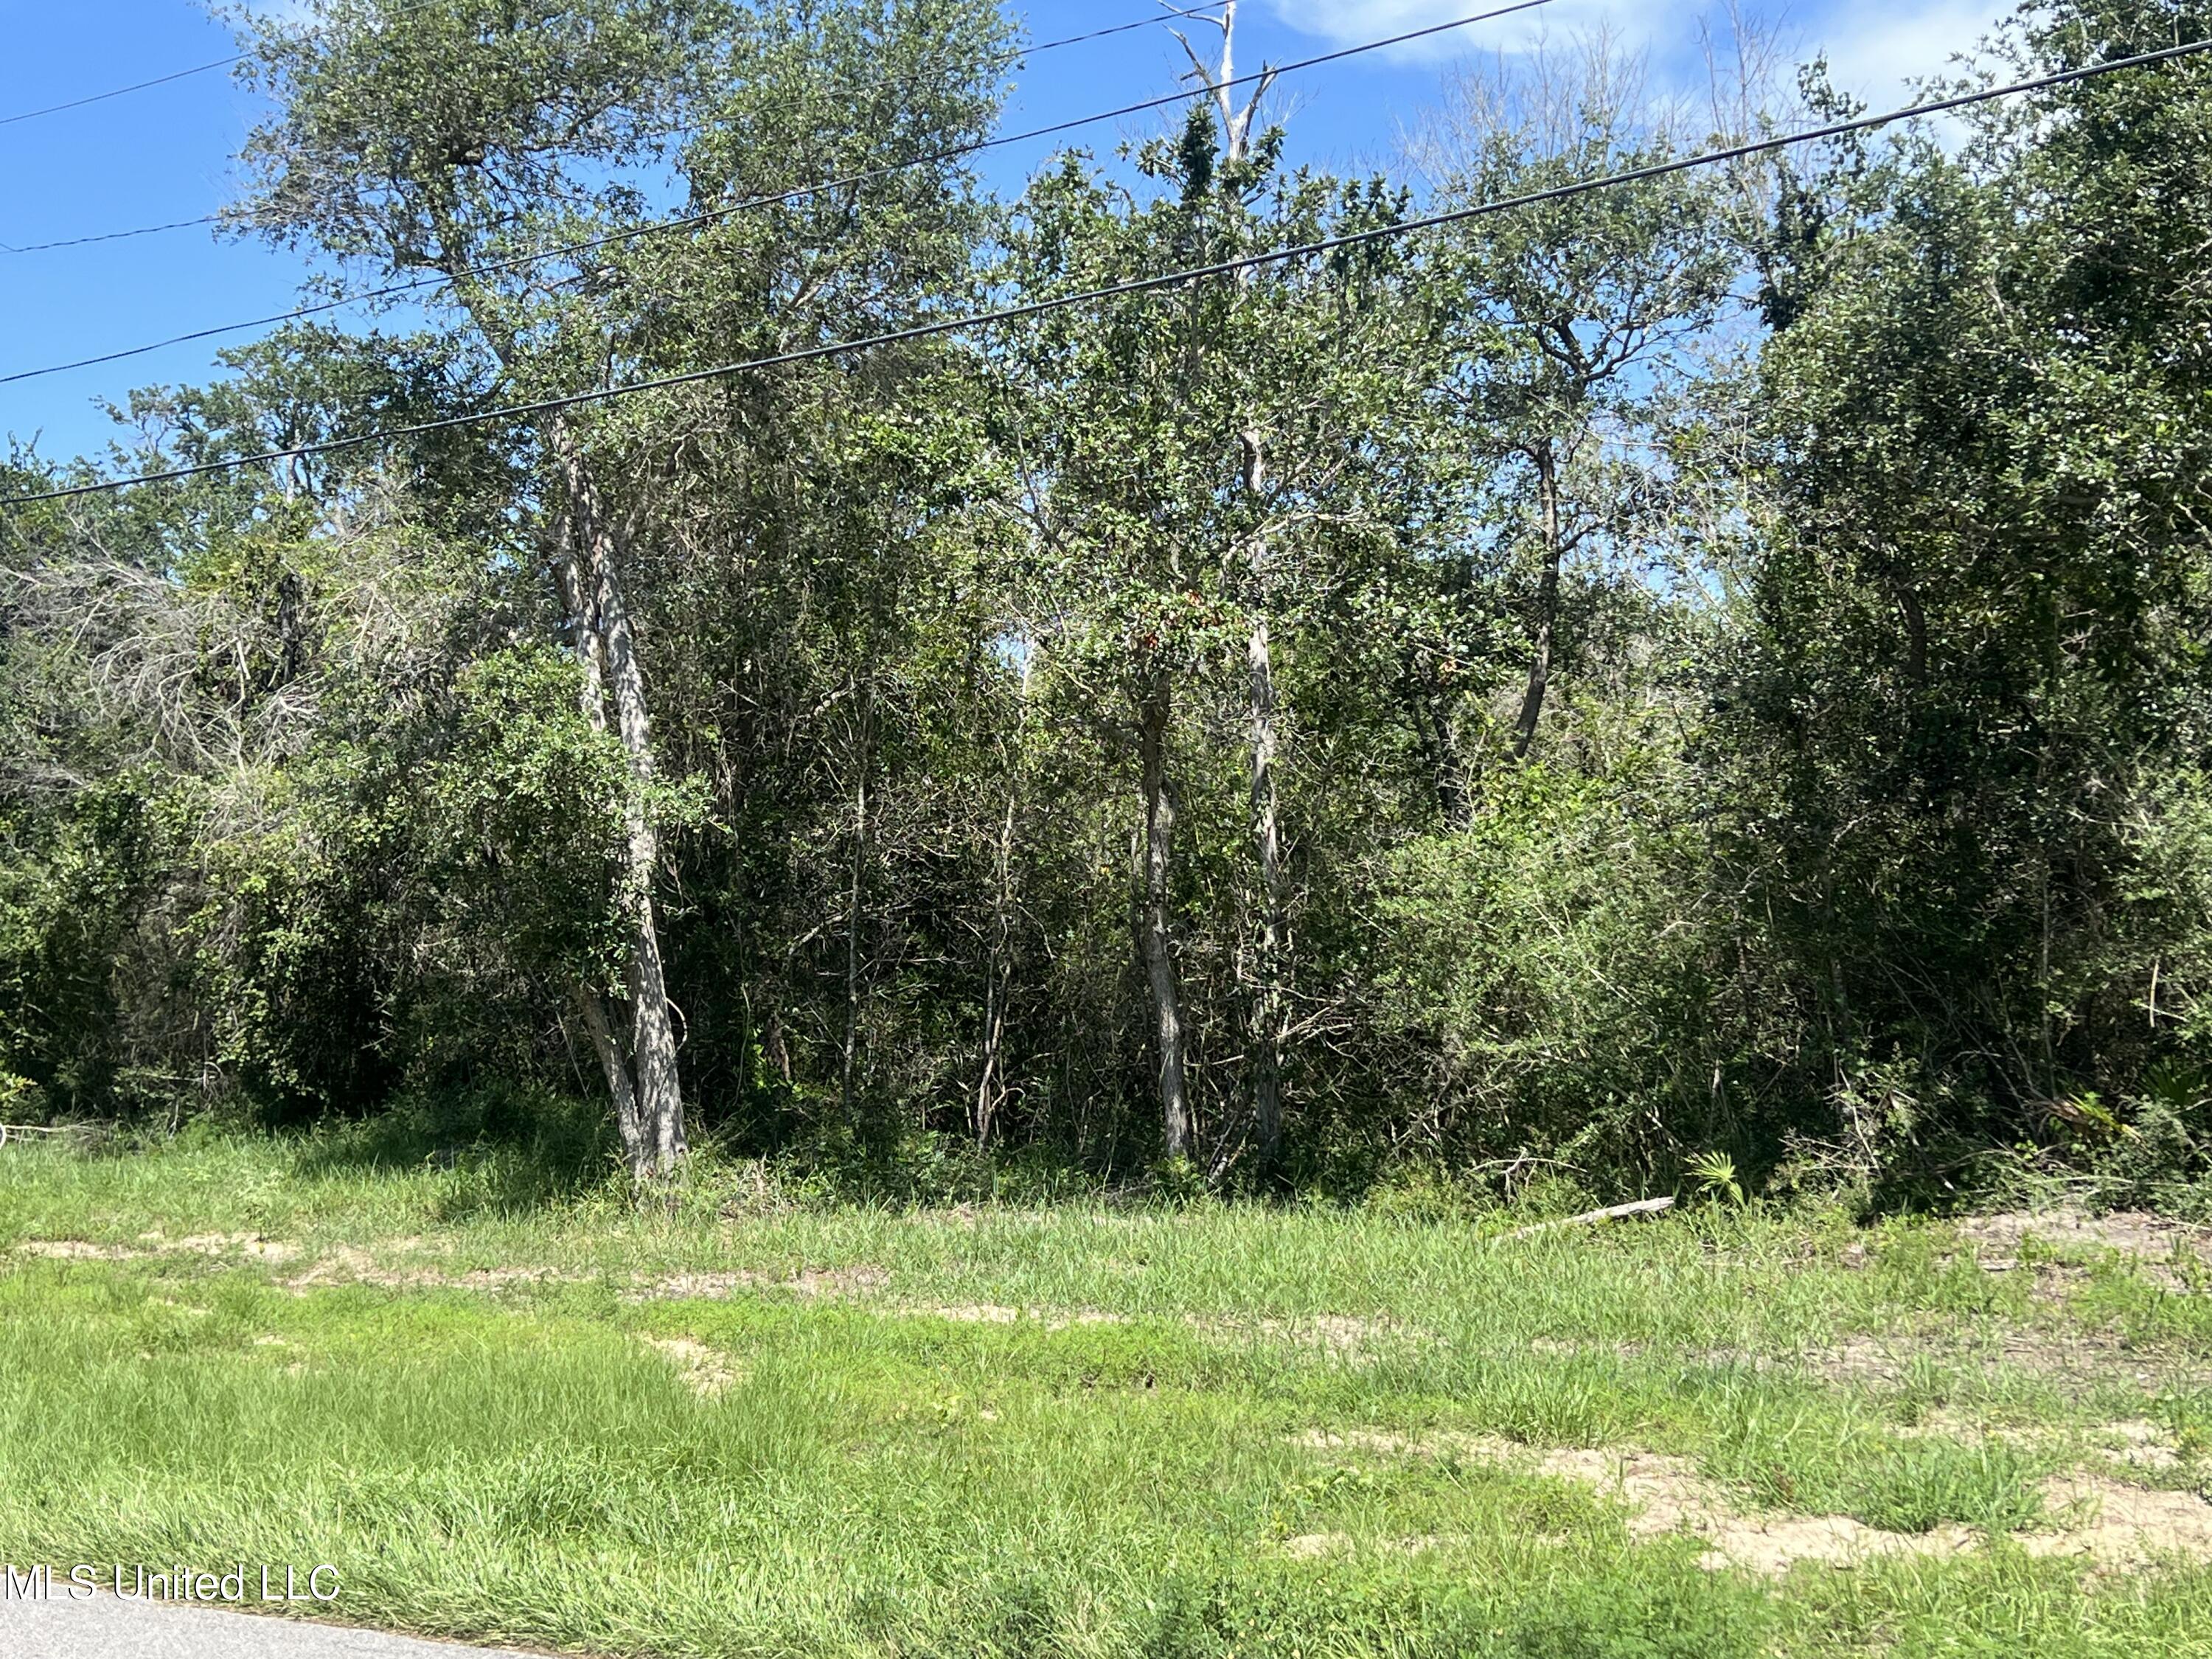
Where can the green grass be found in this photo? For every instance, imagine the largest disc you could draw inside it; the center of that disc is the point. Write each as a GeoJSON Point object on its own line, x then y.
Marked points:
{"type": "Point", "coordinates": [1069, 1431]}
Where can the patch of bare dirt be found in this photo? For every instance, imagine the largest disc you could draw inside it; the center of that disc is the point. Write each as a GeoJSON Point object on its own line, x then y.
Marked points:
{"type": "Point", "coordinates": [2073, 1359]}
{"type": "Point", "coordinates": [2147, 1237]}
{"type": "Point", "coordinates": [697, 1287]}
{"type": "Point", "coordinates": [498, 1279]}
{"type": "Point", "coordinates": [721, 1286]}
{"type": "Point", "coordinates": [2131, 1444]}
{"type": "Point", "coordinates": [992, 1313]}
{"type": "Point", "coordinates": [1345, 1337]}
{"type": "Point", "coordinates": [705, 1372]}
{"type": "Point", "coordinates": [76, 1249]}
{"type": "Point", "coordinates": [2121, 1526]}
{"type": "Point", "coordinates": [1442, 1444]}
{"type": "Point", "coordinates": [1316, 1545]}
{"type": "Point", "coordinates": [834, 1281]}
{"type": "Point", "coordinates": [2098, 1519]}
{"type": "Point", "coordinates": [2172, 1253]}
{"type": "Point", "coordinates": [344, 1265]}
{"type": "Point", "coordinates": [1666, 1495]}
{"type": "Point", "coordinates": [2139, 1445]}
{"type": "Point", "coordinates": [254, 1245]}
{"type": "Point", "coordinates": [347, 1264]}
{"type": "Point", "coordinates": [1566, 1348]}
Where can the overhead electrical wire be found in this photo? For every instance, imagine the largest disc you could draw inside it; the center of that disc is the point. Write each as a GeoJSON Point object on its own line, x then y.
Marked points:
{"type": "Point", "coordinates": [118, 92]}
{"type": "Point", "coordinates": [712, 216]}
{"type": "Point", "coordinates": [1142, 284]}
{"type": "Point", "coordinates": [1001, 60]}
{"type": "Point", "coordinates": [109, 236]}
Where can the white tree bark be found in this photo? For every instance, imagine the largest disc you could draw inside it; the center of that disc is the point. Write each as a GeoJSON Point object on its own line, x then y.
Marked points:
{"type": "Point", "coordinates": [1155, 940]}
{"type": "Point", "coordinates": [1547, 599]}
{"type": "Point", "coordinates": [1269, 1000]}
{"type": "Point", "coordinates": [643, 1083]}
{"type": "Point", "coordinates": [590, 578]}
{"type": "Point", "coordinates": [990, 1085]}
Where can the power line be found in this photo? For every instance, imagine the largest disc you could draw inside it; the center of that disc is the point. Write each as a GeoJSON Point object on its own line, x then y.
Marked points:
{"type": "Point", "coordinates": [713, 215]}
{"type": "Point", "coordinates": [109, 236]}
{"type": "Point", "coordinates": [118, 92]}
{"type": "Point", "coordinates": [1143, 284]}
{"type": "Point", "coordinates": [138, 85]}
{"type": "Point", "coordinates": [1000, 60]}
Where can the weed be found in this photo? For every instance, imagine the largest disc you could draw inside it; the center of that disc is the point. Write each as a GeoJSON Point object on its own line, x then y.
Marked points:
{"type": "Point", "coordinates": [759, 1422]}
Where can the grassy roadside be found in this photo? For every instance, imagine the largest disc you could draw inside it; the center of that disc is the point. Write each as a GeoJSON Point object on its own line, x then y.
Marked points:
{"type": "Point", "coordinates": [510, 1413]}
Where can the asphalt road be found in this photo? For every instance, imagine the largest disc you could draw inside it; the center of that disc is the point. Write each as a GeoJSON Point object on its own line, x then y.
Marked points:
{"type": "Point", "coordinates": [102, 1627]}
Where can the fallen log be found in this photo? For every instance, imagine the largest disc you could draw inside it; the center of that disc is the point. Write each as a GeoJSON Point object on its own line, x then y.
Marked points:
{"type": "Point", "coordinates": [9, 1130]}
{"type": "Point", "coordinates": [1642, 1206]}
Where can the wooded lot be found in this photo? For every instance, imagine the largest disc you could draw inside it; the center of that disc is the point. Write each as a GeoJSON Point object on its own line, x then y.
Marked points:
{"type": "Point", "coordinates": [1710, 671]}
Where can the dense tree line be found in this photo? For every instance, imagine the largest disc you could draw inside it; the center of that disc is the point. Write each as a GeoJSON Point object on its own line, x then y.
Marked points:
{"type": "Point", "coordinates": [1714, 665]}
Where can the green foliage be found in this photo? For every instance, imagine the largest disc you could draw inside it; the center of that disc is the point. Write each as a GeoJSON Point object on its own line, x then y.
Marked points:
{"type": "Point", "coordinates": [1961, 728]}
{"type": "Point", "coordinates": [1715, 1174]}
{"type": "Point", "coordinates": [1730, 652]}
{"type": "Point", "coordinates": [1576, 1008]}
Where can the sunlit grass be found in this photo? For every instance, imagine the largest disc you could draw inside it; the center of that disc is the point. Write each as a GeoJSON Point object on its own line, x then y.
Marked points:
{"type": "Point", "coordinates": [1070, 1430]}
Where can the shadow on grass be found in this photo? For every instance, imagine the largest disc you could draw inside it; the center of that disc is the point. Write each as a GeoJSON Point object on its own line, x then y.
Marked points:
{"type": "Point", "coordinates": [504, 1151]}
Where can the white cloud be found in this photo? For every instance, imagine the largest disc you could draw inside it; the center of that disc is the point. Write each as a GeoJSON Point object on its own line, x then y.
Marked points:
{"type": "Point", "coordinates": [1874, 50]}
{"type": "Point", "coordinates": [1874, 46]}
{"type": "Point", "coordinates": [1348, 21]}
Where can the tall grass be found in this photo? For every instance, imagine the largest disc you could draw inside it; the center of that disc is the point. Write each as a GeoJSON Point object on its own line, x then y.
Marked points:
{"type": "Point", "coordinates": [1073, 1431]}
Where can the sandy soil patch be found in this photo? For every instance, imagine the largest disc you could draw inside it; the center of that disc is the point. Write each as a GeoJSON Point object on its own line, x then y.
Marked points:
{"type": "Point", "coordinates": [1341, 1335]}
{"type": "Point", "coordinates": [2132, 1444]}
{"type": "Point", "coordinates": [151, 1245]}
{"type": "Point", "coordinates": [2117, 1525]}
{"type": "Point", "coordinates": [1998, 1238]}
{"type": "Point", "coordinates": [2171, 1253]}
{"type": "Point", "coordinates": [2096, 1518]}
{"type": "Point", "coordinates": [1443, 1444]}
{"type": "Point", "coordinates": [705, 1372]}
{"type": "Point", "coordinates": [721, 1286]}
{"type": "Point", "coordinates": [992, 1313]}
{"type": "Point", "coordinates": [2074, 1359]}
{"type": "Point", "coordinates": [347, 1265]}
{"type": "Point", "coordinates": [250, 1245]}
{"type": "Point", "coordinates": [76, 1249]}
{"type": "Point", "coordinates": [1317, 1545]}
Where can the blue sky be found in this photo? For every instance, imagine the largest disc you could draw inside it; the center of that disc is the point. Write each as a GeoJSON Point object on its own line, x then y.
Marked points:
{"type": "Point", "coordinates": [165, 153]}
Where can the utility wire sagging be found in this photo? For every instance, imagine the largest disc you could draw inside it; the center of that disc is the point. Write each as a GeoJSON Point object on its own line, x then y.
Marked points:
{"type": "Point", "coordinates": [1015, 56]}
{"type": "Point", "coordinates": [1146, 284]}
{"type": "Point", "coordinates": [715, 215]}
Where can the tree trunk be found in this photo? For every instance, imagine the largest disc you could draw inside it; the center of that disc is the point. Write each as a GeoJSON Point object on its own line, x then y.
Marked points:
{"type": "Point", "coordinates": [585, 571]}
{"type": "Point", "coordinates": [990, 1085]}
{"type": "Point", "coordinates": [1155, 943]}
{"type": "Point", "coordinates": [1268, 1001]}
{"type": "Point", "coordinates": [1437, 733]}
{"type": "Point", "coordinates": [593, 1008]}
{"type": "Point", "coordinates": [1547, 602]}
{"type": "Point", "coordinates": [845, 1091]}
{"type": "Point", "coordinates": [1220, 83]}
{"type": "Point", "coordinates": [591, 585]}
{"type": "Point", "coordinates": [591, 1001]}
